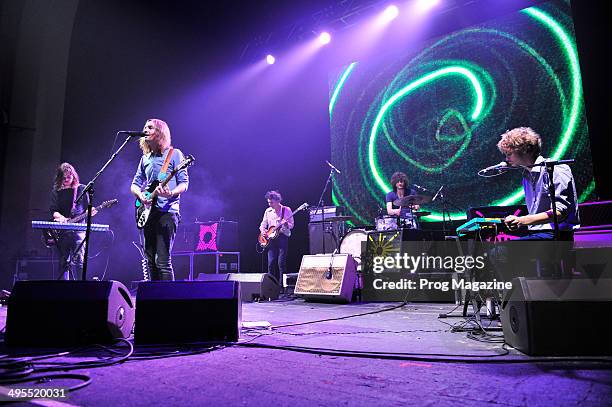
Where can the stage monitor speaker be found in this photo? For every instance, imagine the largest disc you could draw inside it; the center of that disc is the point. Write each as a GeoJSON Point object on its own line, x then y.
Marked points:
{"type": "Point", "coordinates": [187, 311]}
{"type": "Point", "coordinates": [253, 286]}
{"type": "Point", "coordinates": [326, 277]}
{"type": "Point", "coordinates": [331, 236]}
{"type": "Point", "coordinates": [558, 317]}
{"type": "Point", "coordinates": [67, 313]}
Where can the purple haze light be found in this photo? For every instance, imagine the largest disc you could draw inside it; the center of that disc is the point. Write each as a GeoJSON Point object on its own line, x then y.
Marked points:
{"type": "Point", "coordinates": [425, 5]}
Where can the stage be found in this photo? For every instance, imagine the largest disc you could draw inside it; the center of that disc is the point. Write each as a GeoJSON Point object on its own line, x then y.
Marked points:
{"type": "Point", "coordinates": [358, 354]}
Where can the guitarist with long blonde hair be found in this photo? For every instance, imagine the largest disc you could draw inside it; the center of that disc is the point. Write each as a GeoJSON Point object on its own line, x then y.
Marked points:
{"type": "Point", "coordinates": [159, 159]}
{"type": "Point", "coordinates": [66, 188]}
{"type": "Point", "coordinates": [280, 218]}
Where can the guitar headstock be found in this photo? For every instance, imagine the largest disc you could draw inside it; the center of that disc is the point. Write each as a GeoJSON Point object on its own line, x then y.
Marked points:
{"type": "Point", "coordinates": [302, 207]}
{"type": "Point", "coordinates": [187, 162]}
{"type": "Point", "coordinates": [109, 203]}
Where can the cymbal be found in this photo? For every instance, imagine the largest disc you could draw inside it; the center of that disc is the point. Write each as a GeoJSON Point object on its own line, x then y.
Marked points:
{"type": "Point", "coordinates": [338, 218]}
{"type": "Point", "coordinates": [412, 200]}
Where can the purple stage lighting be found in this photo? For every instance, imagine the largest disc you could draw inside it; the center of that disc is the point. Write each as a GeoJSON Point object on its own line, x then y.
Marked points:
{"type": "Point", "coordinates": [324, 38]}
{"type": "Point", "coordinates": [270, 59]}
{"type": "Point", "coordinates": [425, 5]}
{"type": "Point", "coordinates": [390, 13]}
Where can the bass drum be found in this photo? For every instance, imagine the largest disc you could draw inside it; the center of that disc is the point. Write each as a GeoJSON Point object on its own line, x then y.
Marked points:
{"type": "Point", "coordinates": [351, 244]}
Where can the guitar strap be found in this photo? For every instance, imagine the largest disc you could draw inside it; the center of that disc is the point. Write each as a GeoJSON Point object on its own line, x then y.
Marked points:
{"type": "Point", "coordinates": [74, 195]}
{"type": "Point", "coordinates": [281, 218]}
{"type": "Point", "coordinates": [162, 172]}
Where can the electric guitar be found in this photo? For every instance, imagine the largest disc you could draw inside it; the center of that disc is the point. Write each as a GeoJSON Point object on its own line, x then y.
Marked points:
{"type": "Point", "coordinates": [50, 236]}
{"type": "Point", "coordinates": [144, 210]}
{"type": "Point", "coordinates": [272, 233]}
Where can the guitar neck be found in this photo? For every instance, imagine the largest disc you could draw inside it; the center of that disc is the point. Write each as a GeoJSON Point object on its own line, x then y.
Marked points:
{"type": "Point", "coordinates": [82, 216]}
{"type": "Point", "coordinates": [301, 208]}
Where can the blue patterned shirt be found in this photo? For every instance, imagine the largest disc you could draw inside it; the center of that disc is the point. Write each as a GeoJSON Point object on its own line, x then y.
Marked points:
{"type": "Point", "coordinates": [148, 171]}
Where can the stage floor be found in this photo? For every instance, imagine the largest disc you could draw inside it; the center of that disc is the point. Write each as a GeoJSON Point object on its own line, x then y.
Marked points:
{"type": "Point", "coordinates": [403, 356]}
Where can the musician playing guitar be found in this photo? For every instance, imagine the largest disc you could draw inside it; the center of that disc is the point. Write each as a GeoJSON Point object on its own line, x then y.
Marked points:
{"type": "Point", "coordinates": [281, 216]}
{"type": "Point", "coordinates": [66, 187]}
{"type": "Point", "coordinates": [158, 160]}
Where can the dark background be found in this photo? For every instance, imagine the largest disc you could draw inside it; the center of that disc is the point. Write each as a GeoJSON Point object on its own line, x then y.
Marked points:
{"type": "Point", "coordinates": [181, 62]}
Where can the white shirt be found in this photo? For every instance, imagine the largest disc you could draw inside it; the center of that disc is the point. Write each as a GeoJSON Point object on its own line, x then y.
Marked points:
{"type": "Point", "coordinates": [271, 218]}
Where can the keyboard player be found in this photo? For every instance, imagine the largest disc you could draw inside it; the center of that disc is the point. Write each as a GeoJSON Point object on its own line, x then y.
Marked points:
{"type": "Point", "coordinates": [66, 187]}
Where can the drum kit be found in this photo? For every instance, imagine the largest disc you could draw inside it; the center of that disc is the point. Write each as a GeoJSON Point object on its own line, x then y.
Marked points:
{"type": "Point", "coordinates": [352, 241]}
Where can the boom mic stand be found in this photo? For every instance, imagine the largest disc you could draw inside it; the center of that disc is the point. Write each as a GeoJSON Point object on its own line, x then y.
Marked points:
{"type": "Point", "coordinates": [89, 190]}
{"type": "Point", "coordinates": [322, 209]}
{"type": "Point", "coordinates": [445, 207]}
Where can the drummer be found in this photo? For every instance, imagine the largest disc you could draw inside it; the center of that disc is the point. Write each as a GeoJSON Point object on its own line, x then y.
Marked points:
{"type": "Point", "coordinates": [399, 182]}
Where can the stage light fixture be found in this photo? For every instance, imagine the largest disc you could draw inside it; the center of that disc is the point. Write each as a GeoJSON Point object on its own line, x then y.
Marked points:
{"type": "Point", "coordinates": [390, 13]}
{"type": "Point", "coordinates": [324, 38]}
{"type": "Point", "coordinates": [270, 59]}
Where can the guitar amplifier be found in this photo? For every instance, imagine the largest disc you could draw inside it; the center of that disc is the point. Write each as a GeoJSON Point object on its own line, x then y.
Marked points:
{"type": "Point", "coordinates": [327, 278]}
{"type": "Point", "coordinates": [316, 214]}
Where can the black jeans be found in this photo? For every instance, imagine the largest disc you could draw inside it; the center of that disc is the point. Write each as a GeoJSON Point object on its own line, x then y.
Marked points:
{"type": "Point", "coordinates": [159, 233]}
{"type": "Point", "coordinates": [277, 257]}
{"type": "Point", "coordinates": [71, 254]}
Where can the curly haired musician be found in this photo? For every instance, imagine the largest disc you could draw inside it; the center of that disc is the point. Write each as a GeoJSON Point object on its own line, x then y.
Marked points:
{"type": "Point", "coordinates": [522, 147]}
{"type": "Point", "coordinates": [399, 182]}
{"type": "Point", "coordinates": [160, 229]}
{"type": "Point", "coordinates": [277, 214]}
{"type": "Point", "coordinates": [66, 187]}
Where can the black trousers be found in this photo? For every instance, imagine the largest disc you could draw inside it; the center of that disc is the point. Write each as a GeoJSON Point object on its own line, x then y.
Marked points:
{"type": "Point", "coordinates": [159, 233]}
{"type": "Point", "coordinates": [277, 257]}
{"type": "Point", "coordinates": [71, 254]}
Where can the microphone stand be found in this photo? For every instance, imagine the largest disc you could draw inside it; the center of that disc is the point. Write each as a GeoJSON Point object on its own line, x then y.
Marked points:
{"type": "Point", "coordinates": [320, 206]}
{"type": "Point", "coordinates": [550, 169]}
{"type": "Point", "coordinates": [445, 211]}
{"type": "Point", "coordinates": [89, 190]}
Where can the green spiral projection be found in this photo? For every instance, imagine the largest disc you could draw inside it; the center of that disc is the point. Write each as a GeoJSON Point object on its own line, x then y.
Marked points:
{"type": "Point", "coordinates": [437, 115]}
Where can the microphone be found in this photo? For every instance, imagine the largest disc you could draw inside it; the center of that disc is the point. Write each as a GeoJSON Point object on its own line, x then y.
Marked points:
{"type": "Point", "coordinates": [332, 167]}
{"type": "Point", "coordinates": [437, 193]}
{"type": "Point", "coordinates": [328, 274]}
{"type": "Point", "coordinates": [420, 188]}
{"type": "Point", "coordinates": [494, 170]}
{"type": "Point", "coordinates": [132, 133]}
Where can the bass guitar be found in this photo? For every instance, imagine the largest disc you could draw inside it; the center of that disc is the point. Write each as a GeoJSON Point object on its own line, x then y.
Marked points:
{"type": "Point", "coordinates": [272, 233]}
{"type": "Point", "coordinates": [144, 210]}
{"type": "Point", "coordinates": [50, 236]}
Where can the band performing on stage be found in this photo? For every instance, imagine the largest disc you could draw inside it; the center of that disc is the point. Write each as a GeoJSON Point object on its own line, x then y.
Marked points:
{"type": "Point", "coordinates": [161, 178]}
{"type": "Point", "coordinates": [305, 203]}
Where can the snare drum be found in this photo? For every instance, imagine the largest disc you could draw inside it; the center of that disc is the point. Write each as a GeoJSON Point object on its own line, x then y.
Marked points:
{"type": "Point", "coordinates": [386, 223]}
{"type": "Point", "coordinates": [351, 244]}
{"type": "Point", "coordinates": [409, 222]}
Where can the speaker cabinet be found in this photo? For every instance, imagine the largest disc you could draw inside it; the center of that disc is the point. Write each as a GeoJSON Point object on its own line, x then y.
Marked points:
{"type": "Point", "coordinates": [558, 317]}
{"type": "Point", "coordinates": [326, 277]}
{"type": "Point", "coordinates": [331, 236]}
{"type": "Point", "coordinates": [253, 286]}
{"type": "Point", "coordinates": [187, 311]}
{"type": "Point", "coordinates": [67, 313]}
